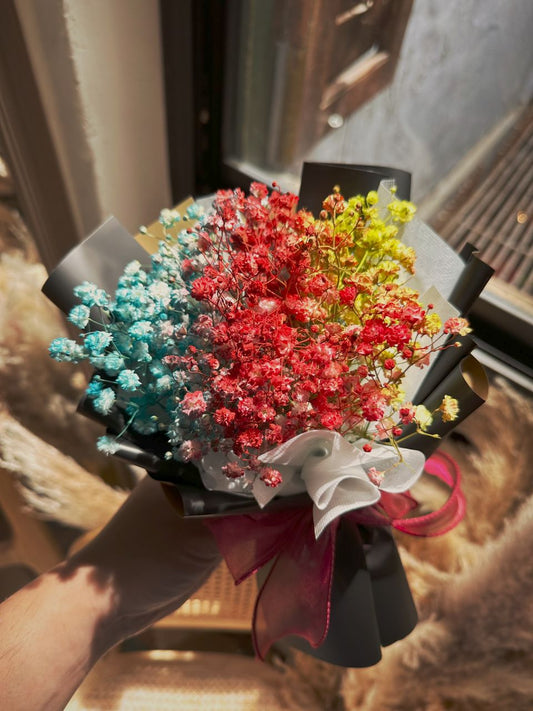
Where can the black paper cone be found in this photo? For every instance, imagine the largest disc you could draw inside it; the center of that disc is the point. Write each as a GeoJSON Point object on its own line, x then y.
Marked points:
{"type": "Point", "coordinates": [468, 383]}
{"type": "Point", "coordinates": [466, 291]}
{"type": "Point", "coordinates": [473, 280]}
{"type": "Point", "coordinates": [100, 259]}
{"type": "Point", "coordinates": [371, 604]}
{"type": "Point", "coordinates": [447, 361]}
{"type": "Point", "coordinates": [318, 180]}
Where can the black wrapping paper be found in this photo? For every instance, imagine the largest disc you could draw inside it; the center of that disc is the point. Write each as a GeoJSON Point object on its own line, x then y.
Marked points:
{"type": "Point", "coordinates": [371, 603]}
{"type": "Point", "coordinates": [100, 259]}
{"type": "Point", "coordinates": [447, 361]}
{"type": "Point", "coordinates": [468, 383]}
{"type": "Point", "coordinates": [318, 180]}
{"type": "Point", "coordinates": [473, 280]}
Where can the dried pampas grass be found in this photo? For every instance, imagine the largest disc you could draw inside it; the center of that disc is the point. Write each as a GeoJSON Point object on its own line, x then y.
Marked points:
{"type": "Point", "coordinates": [38, 392]}
{"type": "Point", "coordinates": [54, 486]}
{"type": "Point", "coordinates": [474, 651]}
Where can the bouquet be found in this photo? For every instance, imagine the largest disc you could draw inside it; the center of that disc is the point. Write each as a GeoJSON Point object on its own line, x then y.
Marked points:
{"type": "Point", "coordinates": [266, 363]}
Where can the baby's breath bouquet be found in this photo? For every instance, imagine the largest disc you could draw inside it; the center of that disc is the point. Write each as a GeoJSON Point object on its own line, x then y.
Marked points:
{"type": "Point", "coordinates": [267, 350]}
{"type": "Point", "coordinates": [260, 324]}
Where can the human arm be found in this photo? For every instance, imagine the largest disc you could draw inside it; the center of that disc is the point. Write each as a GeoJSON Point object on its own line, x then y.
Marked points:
{"type": "Point", "coordinates": [143, 565]}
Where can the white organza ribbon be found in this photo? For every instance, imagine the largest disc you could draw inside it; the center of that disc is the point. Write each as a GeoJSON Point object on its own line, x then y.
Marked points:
{"type": "Point", "coordinates": [332, 471]}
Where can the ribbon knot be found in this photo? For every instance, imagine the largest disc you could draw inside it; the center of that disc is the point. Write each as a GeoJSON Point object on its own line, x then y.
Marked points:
{"type": "Point", "coordinates": [295, 597]}
{"type": "Point", "coordinates": [338, 475]}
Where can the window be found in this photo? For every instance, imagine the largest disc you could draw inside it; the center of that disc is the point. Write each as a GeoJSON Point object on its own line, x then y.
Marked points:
{"type": "Point", "coordinates": [297, 69]}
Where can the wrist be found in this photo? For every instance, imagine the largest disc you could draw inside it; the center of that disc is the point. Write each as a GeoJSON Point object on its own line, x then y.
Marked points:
{"type": "Point", "coordinates": [86, 604]}
{"type": "Point", "coordinates": [51, 634]}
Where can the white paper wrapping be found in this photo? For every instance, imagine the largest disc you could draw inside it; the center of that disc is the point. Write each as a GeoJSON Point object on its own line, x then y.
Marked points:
{"type": "Point", "coordinates": [334, 472]}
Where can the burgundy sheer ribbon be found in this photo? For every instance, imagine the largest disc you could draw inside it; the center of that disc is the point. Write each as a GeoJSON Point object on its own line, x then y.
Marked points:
{"type": "Point", "coordinates": [295, 596]}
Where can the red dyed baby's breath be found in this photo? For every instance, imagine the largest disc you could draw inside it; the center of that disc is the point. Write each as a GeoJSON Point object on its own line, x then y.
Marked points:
{"type": "Point", "coordinates": [306, 323]}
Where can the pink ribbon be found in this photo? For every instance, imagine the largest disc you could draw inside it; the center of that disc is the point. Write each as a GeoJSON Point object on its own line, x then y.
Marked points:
{"type": "Point", "coordinates": [436, 523]}
{"type": "Point", "coordinates": [295, 596]}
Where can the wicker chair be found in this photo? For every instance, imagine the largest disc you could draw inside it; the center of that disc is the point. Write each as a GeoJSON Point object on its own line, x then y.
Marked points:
{"type": "Point", "coordinates": [218, 605]}
{"type": "Point", "coordinates": [160, 679]}
{"type": "Point", "coordinates": [188, 681]}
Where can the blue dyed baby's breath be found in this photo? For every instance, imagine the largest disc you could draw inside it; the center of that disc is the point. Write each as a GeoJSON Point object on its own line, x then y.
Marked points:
{"type": "Point", "coordinates": [113, 363]}
{"type": "Point", "coordinates": [128, 380]}
{"type": "Point", "coordinates": [150, 316]}
{"type": "Point", "coordinates": [65, 349]}
{"type": "Point", "coordinates": [106, 444]}
{"type": "Point", "coordinates": [105, 401]}
{"type": "Point", "coordinates": [97, 341]}
{"type": "Point", "coordinates": [95, 387]}
{"type": "Point", "coordinates": [79, 315]}
{"type": "Point", "coordinates": [90, 295]}
{"type": "Point", "coordinates": [141, 331]}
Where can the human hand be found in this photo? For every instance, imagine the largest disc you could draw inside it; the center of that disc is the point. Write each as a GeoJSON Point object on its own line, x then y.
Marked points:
{"type": "Point", "coordinates": [144, 564]}
{"type": "Point", "coordinates": [150, 557]}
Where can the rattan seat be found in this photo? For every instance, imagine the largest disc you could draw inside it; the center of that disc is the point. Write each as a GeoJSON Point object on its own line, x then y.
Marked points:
{"type": "Point", "coordinates": [188, 681]}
